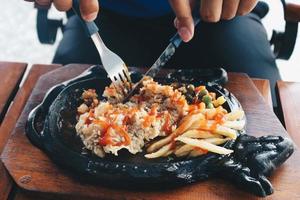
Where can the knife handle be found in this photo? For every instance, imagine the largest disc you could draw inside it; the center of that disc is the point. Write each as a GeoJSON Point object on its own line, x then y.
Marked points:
{"type": "Point", "coordinates": [176, 39]}
{"type": "Point", "coordinates": [89, 27]}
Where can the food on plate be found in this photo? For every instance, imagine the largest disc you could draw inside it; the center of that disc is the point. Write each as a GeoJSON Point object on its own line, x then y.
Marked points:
{"type": "Point", "coordinates": [176, 119]}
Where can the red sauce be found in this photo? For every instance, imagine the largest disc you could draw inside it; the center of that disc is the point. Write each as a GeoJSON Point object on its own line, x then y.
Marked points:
{"type": "Point", "coordinates": [128, 114]}
{"type": "Point", "coordinates": [181, 102]}
{"type": "Point", "coordinates": [153, 110]}
{"type": "Point", "coordinates": [203, 125]}
{"type": "Point", "coordinates": [123, 134]}
{"type": "Point", "coordinates": [173, 144]}
{"type": "Point", "coordinates": [197, 106]}
{"type": "Point", "coordinates": [103, 124]}
{"type": "Point", "coordinates": [150, 117]}
{"type": "Point", "coordinates": [89, 118]}
{"type": "Point", "coordinates": [126, 119]}
{"type": "Point", "coordinates": [219, 118]}
{"type": "Point", "coordinates": [167, 125]}
{"type": "Point", "coordinates": [214, 126]}
{"type": "Point", "coordinates": [201, 150]}
{"type": "Point", "coordinates": [148, 120]}
{"type": "Point", "coordinates": [160, 114]}
{"type": "Point", "coordinates": [193, 108]}
{"type": "Point", "coordinates": [106, 138]}
{"type": "Point", "coordinates": [106, 133]}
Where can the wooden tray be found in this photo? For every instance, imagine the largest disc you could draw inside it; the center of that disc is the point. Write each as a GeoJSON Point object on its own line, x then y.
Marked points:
{"type": "Point", "coordinates": [11, 75]}
{"type": "Point", "coordinates": [32, 170]}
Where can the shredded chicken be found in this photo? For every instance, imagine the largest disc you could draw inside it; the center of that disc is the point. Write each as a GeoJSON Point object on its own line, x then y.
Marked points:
{"type": "Point", "coordinates": [108, 126]}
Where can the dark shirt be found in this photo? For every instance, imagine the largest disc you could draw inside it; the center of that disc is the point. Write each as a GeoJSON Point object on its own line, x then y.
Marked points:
{"type": "Point", "coordinates": [138, 8]}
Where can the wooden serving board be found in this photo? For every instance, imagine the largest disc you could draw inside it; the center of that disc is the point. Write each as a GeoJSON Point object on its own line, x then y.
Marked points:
{"type": "Point", "coordinates": [11, 75]}
{"type": "Point", "coordinates": [289, 95]}
{"type": "Point", "coordinates": [32, 170]}
{"type": "Point", "coordinates": [13, 113]}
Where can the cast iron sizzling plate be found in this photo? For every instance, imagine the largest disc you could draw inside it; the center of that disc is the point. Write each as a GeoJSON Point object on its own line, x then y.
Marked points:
{"type": "Point", "coordinates": [54, 132]}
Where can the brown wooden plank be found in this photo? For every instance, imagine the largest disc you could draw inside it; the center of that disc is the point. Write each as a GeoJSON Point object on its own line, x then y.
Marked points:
{"type": "Point", "coordinates": [289, 96]}
{"type": "Point", "coordinates": [292, 12]}
{"type": "Point", "coordinates": [5, 182]}
{"type": "Point", "coordinates": [41, 174]}
{"type": "Point", "coordinates": [11, 74]}
{"type": "Point", "coordinates": [28, 195]}
{"type": "Point", "coordinates": [263, 86]}
{"type": "Point", "coordinates": [13, 114]}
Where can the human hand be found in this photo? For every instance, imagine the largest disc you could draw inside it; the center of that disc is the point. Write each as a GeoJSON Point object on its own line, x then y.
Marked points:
{"type": "Point", "coordinates": [88, 8]}
{"type": "Point", "coordinates": [210, 11]}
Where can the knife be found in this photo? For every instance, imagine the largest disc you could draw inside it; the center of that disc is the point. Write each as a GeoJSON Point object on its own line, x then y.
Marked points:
{"type": "Point", "coordinates": [175, 42]}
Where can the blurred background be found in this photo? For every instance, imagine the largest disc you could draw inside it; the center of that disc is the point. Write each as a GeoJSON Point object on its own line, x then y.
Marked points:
{"type": "Point", "coordinates": [19, 42]}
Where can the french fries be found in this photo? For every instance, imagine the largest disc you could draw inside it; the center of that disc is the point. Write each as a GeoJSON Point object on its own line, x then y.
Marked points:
{"type": "Point", "coordinates": [235, 115]}
{"type": "Point", "coordinates": [225, 131]}
{"type": "Point", "coordinates": [201, 131]}
{"type": "Point", "coordinates": [161, 152]}
{"type": "Point", "coordinates": [168, 153]}
{"type": "Point", "coordinates": [191, 151]}
{"type": "Point", "coordinates": [184, 150]}
{"type": "Point", "coordinates": [219, 129]}
{"type": "Point", "coordinates": [157, 145]}
{"type": "Point", "coordinates": [196, 153]}
{"type": "Point", "coordinates": [200, 134]}
{"type": "Point", "coordinates": [187, 122]}
{"type": "Point", "coordinates": [217, 141]}
{"type": "Point", "coordinates": [204, 145]}
{"type": "Point", "coordinates": [237, 125]}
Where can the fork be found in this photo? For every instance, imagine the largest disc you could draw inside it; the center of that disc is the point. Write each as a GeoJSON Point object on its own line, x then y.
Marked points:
{"type": "Point", "coordinates": [112, 63]}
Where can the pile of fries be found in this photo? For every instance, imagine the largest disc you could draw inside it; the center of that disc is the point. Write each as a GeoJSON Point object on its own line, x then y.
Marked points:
{"type": "Point", "coordinates": [200, 132]}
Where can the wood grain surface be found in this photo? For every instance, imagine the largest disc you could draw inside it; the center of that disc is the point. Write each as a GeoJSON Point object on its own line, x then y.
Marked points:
{"type": "Point", "coordinates": [292, 12]}
{"type": "Point", "coordinates": [12, 116]}
{"type": "Point", "coordinates": [289, 96]}
{"type": "Point", "coordinates": [32, 170]}
{"type": "Point", "coordinates": [263, 86]}
{"type": "Point", "coordinates": [10, 75]}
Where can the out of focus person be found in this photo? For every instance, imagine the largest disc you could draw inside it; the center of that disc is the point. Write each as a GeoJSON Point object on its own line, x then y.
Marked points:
{"type": "Point", "coordinates": [230, 34]}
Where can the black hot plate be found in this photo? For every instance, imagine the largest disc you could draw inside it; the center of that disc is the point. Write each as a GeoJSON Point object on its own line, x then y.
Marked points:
{"type": "Point", "coordinates": [51, 127]}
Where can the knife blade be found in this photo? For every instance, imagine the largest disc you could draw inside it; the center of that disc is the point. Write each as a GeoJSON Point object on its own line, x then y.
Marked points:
{"type": "Point", "coordinates": [175, 42]}
{"type": "Point", "coordinates": [161, 61]}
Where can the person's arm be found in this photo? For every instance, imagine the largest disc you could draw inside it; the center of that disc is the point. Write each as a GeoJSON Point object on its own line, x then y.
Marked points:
{"type": "Point", "coordinates": [210, 11]}
{"type": "Point", "coordinates": [89, 8]}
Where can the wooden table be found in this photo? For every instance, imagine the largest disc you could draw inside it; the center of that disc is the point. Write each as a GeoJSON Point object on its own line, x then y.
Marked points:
{"type": "Point", "coordinates": [7, 186]}
{"type": "Point", "coordinates": [12, 74]}
{"type": "Point", "coordinates": [289, 98]}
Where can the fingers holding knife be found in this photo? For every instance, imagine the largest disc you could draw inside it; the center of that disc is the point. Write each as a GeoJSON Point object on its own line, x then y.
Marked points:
{"type": "Point", "coordinates": [210, 11]}
{"type": "Point", "coordinates": [184, 20]}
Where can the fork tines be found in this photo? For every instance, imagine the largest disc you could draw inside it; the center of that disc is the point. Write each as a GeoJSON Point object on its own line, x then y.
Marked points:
{"type": "Point", "coordinates": [122, 81]}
